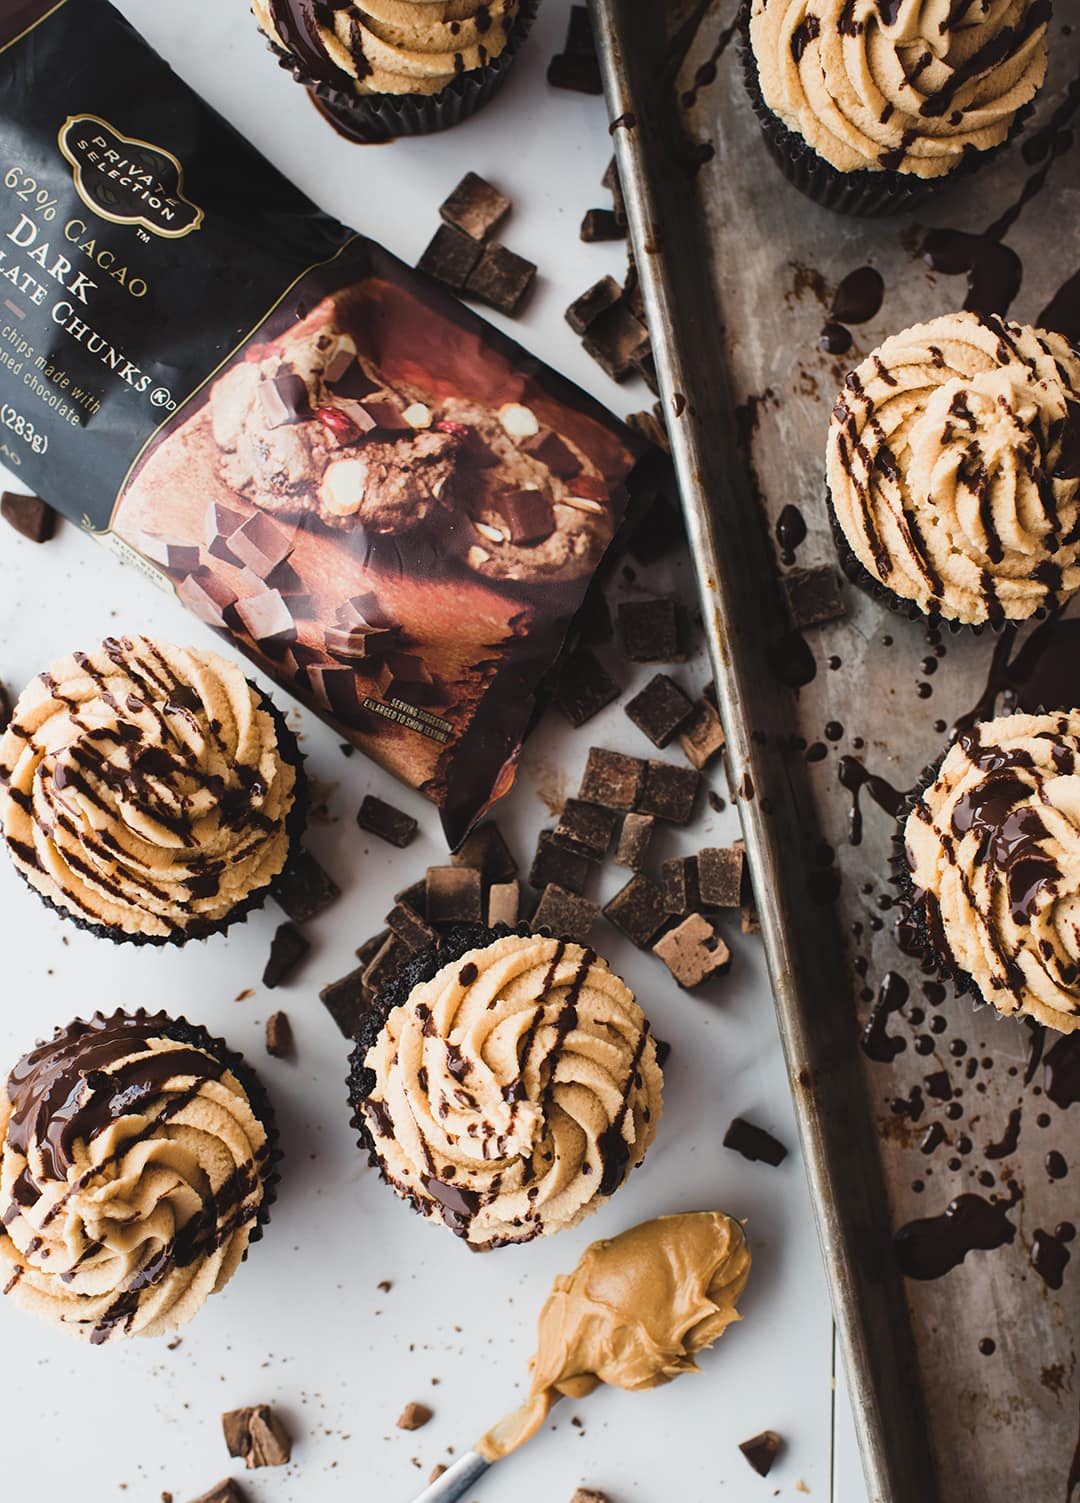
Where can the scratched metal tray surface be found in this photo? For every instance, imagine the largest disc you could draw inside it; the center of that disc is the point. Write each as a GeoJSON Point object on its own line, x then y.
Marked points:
{"type": "Point", "coordinates": [962, 1366]}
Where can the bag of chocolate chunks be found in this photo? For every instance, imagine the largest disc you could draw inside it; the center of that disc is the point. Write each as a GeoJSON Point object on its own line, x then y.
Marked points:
{"type": "Point", "coordinates": [387, 504]}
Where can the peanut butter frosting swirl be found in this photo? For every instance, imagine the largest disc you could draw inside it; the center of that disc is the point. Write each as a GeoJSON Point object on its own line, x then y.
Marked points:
{"type": "Point", "coordinates": [388, 46]}
{"type": "Point", "coordinates": [143, 789]}
{"type": "Point", "coordinates": [513, 1091]}
{"type": "Point", "coordinates": [131, 1176]}
{"type": "Point", "coordinates": [910, 86]}
{"type": "Point", "coordinates": [953, 464]}
{"type": "Point", "coordinates": [993, 847]}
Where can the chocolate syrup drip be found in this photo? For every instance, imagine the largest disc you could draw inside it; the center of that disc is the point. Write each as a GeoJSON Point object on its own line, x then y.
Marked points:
{"type": "Point", "coordinates": [878, 1044]}
{"type": "Point", "coordinates": [1041, 676]}
{"type": "Point", "coordinates": [297, 22]}
{"type": "Point", "coordinates": [612, 1146]}
{"type": "Point", "coordinates": [1050, 1253]}
{"type": "Point", "coordinates": [1036, 1043]}
{"type": "Point", "coordinates": [791, 661]}
{"type": "Point", "coordinates": [1009, 1140]}
{"type": "Point", "coordinates": [858, 296]}
{"type": "Point", "coordinates": [1061, 1071]}
{"type": "Point", "coordinates": [706, 73]}
{"type": "Point", "coordinates": [855, 777]}
{"type": "Point", "coordinates": [1062, 312]}
{"type": "Point", "coordinates": [790, 528]}
{"type": "Point", "coordinates": [1056, 1167]}
{"type": "Point", "coordinates": [930, 1248]}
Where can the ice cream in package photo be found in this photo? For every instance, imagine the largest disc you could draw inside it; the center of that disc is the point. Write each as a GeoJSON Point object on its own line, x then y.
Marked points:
{"type": "Point", "coordinates": [386, 503]}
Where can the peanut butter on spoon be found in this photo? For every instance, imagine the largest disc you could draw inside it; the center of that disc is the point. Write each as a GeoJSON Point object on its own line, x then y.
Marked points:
{"type": "Point", "coordinates": [635, 1313]}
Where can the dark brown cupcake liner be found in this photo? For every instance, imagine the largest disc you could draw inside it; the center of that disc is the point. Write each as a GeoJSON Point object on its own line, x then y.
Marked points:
{"type": "Point", "coordinates": [864, 194]}
{"type": "Point", "coordinates": [295, 824]}
{"type": "Point", "coordinates": [371, 118]}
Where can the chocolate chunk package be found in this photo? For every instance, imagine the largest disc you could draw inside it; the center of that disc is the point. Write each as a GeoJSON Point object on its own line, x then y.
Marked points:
{"type": "Point", "coordinates": [387, 504]}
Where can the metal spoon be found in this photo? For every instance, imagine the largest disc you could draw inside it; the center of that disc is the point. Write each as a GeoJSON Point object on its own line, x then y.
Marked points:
{"type": "Point", "coordinates": [456, 1481]}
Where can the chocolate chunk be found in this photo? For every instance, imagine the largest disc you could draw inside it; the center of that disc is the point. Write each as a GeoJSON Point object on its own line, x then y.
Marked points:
{"type": "Point", "coordinates": [660, 709]}
{"type": "Point", "coordinates": [721, 875]}
{"type": "Point", "coordinates": [612, 779]}
{"type": "Point", "coordinates": [182, 558]}
{"type": "Point", "coordinates": [610, 181]}
{"type": "Point", "coordinates": [638, 911]}
{"type": "Point", "coordinates": [367, 952]}
{"type": "Point", "coordinates": [669, 792]}
{"type": "Point", "coordinates": [207, 595]}
{"type": "Point", "coordinates": [500, 278]}
{"type": "Point", "coordinates": [616, 340]}
{"type": "Point", "coordinates": [567, 914]}
{"type": "Point", "coordinates": [658, 532]}
{"type": "Point", "coordinates": [693, 951]}
{"type": "Point", "coordinates": [364, 613]}
{"type": "Point", "coordinates": [585, 310]}
{"type": "Point", "coordinates": [553, 863]}
{"type": "Point", "coordinates": [450, 257]}
{"type": "Point", "coordinates": [485, 850]}
{"type": "Point", "coordinates": [414, 896]}
{"type": "Point", "coordinates": [702, 737]}
{"type": "Point", "coordinates": [552, 452]}
{"type": "Point", "coordinates": [260, 544]}
{"type": "Point", "coordinates": [287, 949]}
{"type": "Point", "coordinates": [410, 928]}
{"type": "Point", "coordinates": [365, 644]}
{"type": "Point", "coordinates": [257, 1435]}
{"type": "Point", "coordinates": [646, 367]}
{"type": "Point", "coordinates": [754, 1143]}
{"type": "Point", "coordinates": [651, 428]}
{"type": "Point", "coordinates": [454, 895]}
{"type": "Point", "coordinates": [405, 677]}
{"type": "Point", "coordinates": [679, 883]}
{"type": "Point", "coordinates": [814, 596]}
{"type": "Point", "coordinates": [475, 207]}
{"type": "Point", "coordinates": [413, 1417]}
{"type": "Point", "coordinates": [345, 999]}
{"type": "Point", "coordinates": [29, 515]}
{"type": "Point", "coordinates": [635, 838]}
{"type": "Point", "coordinates": [304, 889]}
{"type": "Point", "coordinates": [601, 224]}
{"type": "Point", "coordinates": [226, 1491]}
{"type": "Point", "coordinates": [650, 630]}
{"type": "Point", "coordinates": [334, 687]}
{"type": "Point", "coordinates": [504, 903]}
{"type": "Point", "coordinates": [219, 524]}
{"type": "Point", "coordinates": [750, 918]}
{"type": "Point", "coordinates": [384, 965]}
{"type": "Point", "coordinates": [283, 399]}
{"type": "Point", "coordinates": [279, 1035]}
{"type": "Point", "coordinates": [585, 829]}
{"type": "Point", "coordinates": [663, 1052]}
{"type": "Point", "coordinates": [386, 417]}
{"type": "Point", "coordinates": [528, 514]}
{"type": "Point", "coordinates": [584, 687]}
{"type": "Point", "coordinates": [761, 1451]}
{"type": "Point", "coordinates": [579, 74]}
{"type": "Point", "coordinates": [266, 617]}
{"type": "Point", "coordinates": [580, 41]}
{"type": "Point", "coordinates": [389, 824]}
{"type": "Point", "coordinates": [348, 378]}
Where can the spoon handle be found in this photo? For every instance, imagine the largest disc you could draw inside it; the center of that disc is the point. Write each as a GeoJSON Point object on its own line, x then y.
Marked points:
{"type": "Point", "coordinates": [456, 1481]}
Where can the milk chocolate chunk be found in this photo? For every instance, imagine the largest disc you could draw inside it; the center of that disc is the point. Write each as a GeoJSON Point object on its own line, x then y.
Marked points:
{"type": "Point", "coordinates": [346, 998]}
{"type": "Point", "coordinates": [182, 558]}
{"type": "Point", "coordinates": [581, 75]}
{"type": "Point", "coordinates": [650, 630]}
{"type": "Point", "coordinates": [387, 417]}
{"type": "Point", "coordinates": [450, 257]}
{"type": "Point", "coordinates": [504, 903]}
{"type": "Point", "coordinates": [486, 850]}
{"type": "Point", "coordinates": [566, 914]}
{"type": "Point", "coordinates": [219, 524]}
{"type": "Point", "coordinates": [638, 911]}
{"type": "Point", "coordinates": [287, 949]}
{"type": "Point", "coordinates": [405, 677]}
{"type": "Point", "coordinates": [550, 450]}
{"type": "Point", "coordinates": [814, 596]}
{"type": "Point", "coordinates": [635, 837]}
{"type": "Point", "coordinates": [553, 863]}
{"type": "Point", "coordinates": [389, 824]}
{"type": "Point", "coordinates": [585, 310]}
{"type": "Point", "coordinates": [669, 792]}
{"type": "Point", "coordinates": [617, 340]}
{"type": "Point", "coordinates": [693, 951]}
{"type": "Point", "coordinates": [610, 181]}
{"type": "Point", "coordinates": [454, 895]}
{"type": "Point", "coordinates": [584, 688]}
{"type": "Point", "coordinates": [334, 686]}
{"type": "Point", "coordinates": [660, 709]}
{"type": "Point", "coordinates": [612, 779]}
{"type": "Point", "coordinates": [364, 613]}
{"type": "Point", "coordinates": [226, 1491]}
{"type": "Point", "coordinates": [702, 737]}
{"type": "Point", "coordinates": [475, 207]}
{"type": "Point", "coordinates": [601, 224]}
{"type": "Point", "coordinates": [30, 516]}
{"type": "Point", "coordinates": [761, 1451]}
{"type": "Point", "coordinates": [304, 890]}
{"type": "Point", "coordinates": [679, 884]}
{"type": "Point", "coordinates": [585, 829]}
{"type": "Point", "coordinates": [279, 1036]}
{"type": "Point", "coordinates": [384, 965]}
{"type": "Point", "coordinates": [261, 544]}
{"type": "Point", "coordinates": [207, 595]}
{"type": "Point", "coordinates": [754, 1143]}
{"type": "Point", "coordinates": [266, 617]}
{"type": "Point", "coordinates": [528, 514]}
{"type": "Point", "coordinates": [362, 644]}
{"type": "Point", "coordinates": [501, 278]}
{"type": "Point", "coordinates": [257, 1435]}
{"type": "Point", "coordinates": [721, 875]}
{"type": "Point", "coordinates": [413, 1417]}
{"type": "Point", "coordinates": [410, 928]}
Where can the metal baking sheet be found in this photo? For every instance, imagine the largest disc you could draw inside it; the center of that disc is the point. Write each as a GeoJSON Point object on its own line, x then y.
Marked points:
{"type": "Point", "coordinates": [962, 1385]}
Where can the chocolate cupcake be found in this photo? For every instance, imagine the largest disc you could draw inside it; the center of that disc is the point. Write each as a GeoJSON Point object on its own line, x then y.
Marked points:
{"type": "Point", "coordinates": [149, 792]}
{"type": "Point", "coordinates": [990, 865]}
{"type": "Point", "coordinates": [505, 1084]}
{"type": "Point", "coordinates": [953, 466]}
{"type": "Point", "coordinates": [396, 67]}
{"type": "Point", "coordinates": [867, 105]}
{"type": "Point", "coordinates": [136, 1168]}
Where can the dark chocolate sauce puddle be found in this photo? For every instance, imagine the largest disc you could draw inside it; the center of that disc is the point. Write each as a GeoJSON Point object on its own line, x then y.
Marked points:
{"type": "Point", "coordinates": [1009, 1139]}
{"type": "Point", "coordinates": [1061, 1071]}
{"type": "Point", "coordinates": [857, 299]}
{"type": "Point", "coordinates": [878, 1043]}
{"type": "Point", "coordinates": [1043, 674]}
{"type": "Point", "coordinates": [1062, 312]}
{"type": "Point", "coordinates": [1036, 1043]}
{"type": "Point", "coordinates": [1050, 1253]}
{"type": "Point", "coordinates": [791, 661]}
{"type": "Point", "coordinates": [931, 1248]}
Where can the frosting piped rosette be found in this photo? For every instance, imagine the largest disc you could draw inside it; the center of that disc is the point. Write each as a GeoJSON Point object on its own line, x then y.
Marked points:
{"type": "Point", "coordinates": [135, 1166]}
{"type": "Point", "coordinates": [145, 790]}
{"type": "Point", "coordinates": [909, 86]}
{"type": "Point", "coordinates": [993, 851]}
{"type": "Point", "coordinates": [953, 468]}
{"type": "Point", "coordinates": [513, 1091]}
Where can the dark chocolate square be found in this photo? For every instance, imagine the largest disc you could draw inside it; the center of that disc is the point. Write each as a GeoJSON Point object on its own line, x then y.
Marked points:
{"type": "Point", "coordinates": [584, 688]}
{"type": "Point", "coordinates": [680, 886]}
{"type": "Point", "coordinates": [638, 911]}
{"type": "Point", "coordinates": [721, 874]}
{"type": "Point", "coordinates": [260, 544]}
{"type": "Point", "coordinates": [450, 257]}
{"type": "Point", "coordinates": [635, 837]}
{"type": "Point", "coordinates": [669, 792]}
{"type": "Point", "coordinates": [553, 863]}
{"type": "Point", "coordinates": [501, 278]}
{"type": "Point", "coordinates": [579, 74]}
{"type": "Point", "coordinates": [410, 928]}
{"type": "Point", "coordinates": [580, 41]}
{"type": "Point", "coordinates": [504, 903]}
{"type": "Point", "coordinates": [389, 824]}
{"type": "Point", "coordinates": [650, 630]}
{"type": "Point", "coordinates": [611, 779]}
{"type": "Point", "coordinates": [660, 709]}
{"type": "Point", "coordinates": [814, 596]}
{"type": "Point", "coordinates": [414, 896]}
{"type": "Point", "coordinates": [617, 340]}
{"type": "Point", "coordinates": [552, 452]}
{"type": "Point", "coordinates": [702, 737]}
{"type": "Point", "coordinates": [475, 207]}
{"type": "Point", "coordinates": [528, 514]}
{"type": "Point", "coordinates": [304, 889]}
{"type": "Point", "coordinates": [486, 851]}
{"type": "Point", "coordinates": [586, 309]}
{"type": "Point", "coordinates": [585, 829]}
{"type": "Point", "coordinates": [384, 965]}
{"type": "Point", "coordinates": [345, 1001]}
{"type": "Point", "coordinates": [566, 914]}
{"type": "Point", "coordinates": [754, 1143]}
{"type": "Point", "coordinates": [454, 895]}
{"type": "Point", "coordinates": [601, 224]}
{"type": "Point", "coordinates": [287, 949]}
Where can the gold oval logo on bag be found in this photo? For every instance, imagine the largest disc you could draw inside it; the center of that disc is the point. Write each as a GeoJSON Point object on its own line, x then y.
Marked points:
{"type": "Point", "coordinates": [126, 180]}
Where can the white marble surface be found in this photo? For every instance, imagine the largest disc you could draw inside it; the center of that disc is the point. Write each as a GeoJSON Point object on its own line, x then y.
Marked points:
{"type": "Point", "coordinates": [304, 1325]}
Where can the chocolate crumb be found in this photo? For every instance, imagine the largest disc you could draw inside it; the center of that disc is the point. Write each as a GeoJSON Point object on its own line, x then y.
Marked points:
{"type": "Point", "coordinates": [585, 687]}
{"type": "Point", "coordinates": [287, 949]}
{"type": "Point", "coordinates": [389, 824]}
{"type": "Point", "coordinates": [450, 256]}
{"type": "Point", "coordinates": [454, 895]}
{"type": "Point", "coordinates": [660, 709]}
{"type": "Point", "coordinates": [650, 630]}
{"type": "Point", "coordinates": [586, 309]}
{"type": "Point", "coordinates": [693, 951]}
{"type": "Point", "coordinates": [414, 1417]}
{"type": "Point", "coordinates": [304, 890]}
{"type": "Point", "coordinates": [257, 1435]}
{"type": "Point", "coordinates": [589, 1495]}
{"type": "Point", "coordinates": [638, 911]}
{"type": "Point", "coordinates": [566, 914]}
{"type": "Point", "coordinates": [501, 278]}
{"type": "Point", "coordinates": [754, 1143]}
{"type": "Point", "coordinates": [761, 1451]}
{"type": "Point", "coordinates": [279, 1036]}
{"type": "Point", "coordinates": [384, 1286]}
{"type": "Point", "coordinates": [553, 863]}
{"type": "Point", "coordinates": [601, 224]}
{"type": "Point", "coordinates": [31, 517]}
{"type": "Point", "coordinates": [635, 838]}
{"type": "Point", "coordinates": [475, 207]}
{"type": "Point", "coordinates": [344, 1000]}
